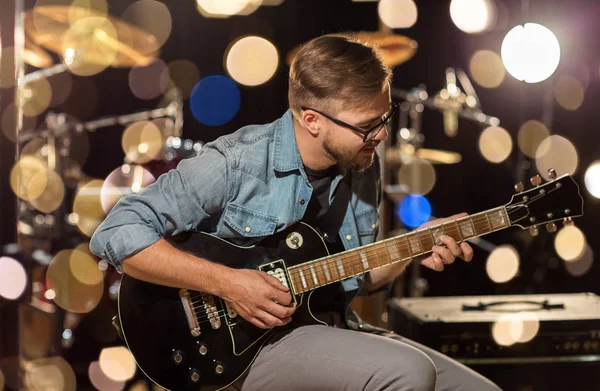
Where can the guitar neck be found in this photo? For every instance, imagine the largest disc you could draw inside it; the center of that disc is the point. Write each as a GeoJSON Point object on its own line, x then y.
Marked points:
{"type": "Point", "coordinates": [337, 267]}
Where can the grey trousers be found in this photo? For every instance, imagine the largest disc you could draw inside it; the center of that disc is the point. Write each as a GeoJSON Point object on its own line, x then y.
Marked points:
{"type": "Point", "coordinates": [316, 357]}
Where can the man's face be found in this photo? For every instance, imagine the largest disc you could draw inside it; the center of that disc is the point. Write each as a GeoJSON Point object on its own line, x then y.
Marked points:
{"type": "Point", "coordinates": [345, 145]}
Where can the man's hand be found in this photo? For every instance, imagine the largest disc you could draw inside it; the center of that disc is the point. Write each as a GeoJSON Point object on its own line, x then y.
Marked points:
{"type": "Point", "coordinates": [445, 255]}
{"type": "Point", "coordinates": [259, 298]}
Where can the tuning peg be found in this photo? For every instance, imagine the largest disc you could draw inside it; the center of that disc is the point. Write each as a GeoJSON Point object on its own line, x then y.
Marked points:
{"type": "Point", "coordinates": [552, 173]}
{"type": "Point", "coordinates": [536, 180]}
{"type": "Point", "coordinates": [551, 227]}
{"type": "Point", "coordinates": [534, 231]}
{"type": "Point", "coordinates": [519, 187]}
{"type": "Point", "coordinates": [568, 221]}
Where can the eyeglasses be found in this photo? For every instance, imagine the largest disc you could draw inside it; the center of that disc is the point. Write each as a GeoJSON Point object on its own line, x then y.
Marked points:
{"type": "Point", "coordinates": [368, 134]}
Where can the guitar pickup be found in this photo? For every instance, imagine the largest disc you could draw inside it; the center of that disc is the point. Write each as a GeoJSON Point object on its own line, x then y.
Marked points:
{"type": "Point", "coordinates": [190, 313]}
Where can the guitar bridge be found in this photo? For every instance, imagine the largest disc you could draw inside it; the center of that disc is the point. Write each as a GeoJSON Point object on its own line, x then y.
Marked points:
{"type": "Point", "coordinates": [190, 313]}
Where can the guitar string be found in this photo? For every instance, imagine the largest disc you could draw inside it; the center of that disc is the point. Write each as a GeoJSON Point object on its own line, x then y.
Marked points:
{"type": "Point", "coordinates": [358, 260]}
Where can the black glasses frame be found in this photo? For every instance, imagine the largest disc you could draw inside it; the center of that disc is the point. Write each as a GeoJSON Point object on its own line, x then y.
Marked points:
{"type": "Point", "coordinates": [368, 134]}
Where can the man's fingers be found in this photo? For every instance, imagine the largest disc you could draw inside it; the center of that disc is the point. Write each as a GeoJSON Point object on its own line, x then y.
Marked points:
{"type": "Point", "coordinates": [280, 311]}
{"type": "Point", "coordinates": [275, 283]}
{"type": "Point", "coordinates": [467, 251]}
{"type": "Point", "coordinates": [445, 254]}
{"type": "Point", "coordinates": [451, 244]}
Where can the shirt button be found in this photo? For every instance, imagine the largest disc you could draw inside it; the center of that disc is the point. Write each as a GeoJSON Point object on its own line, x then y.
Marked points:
{"type": "Point", "coordinates": [348, 237]}
{"type": "Point", "coordinates": [302, 202]}
{"type": "Point", "coordinates": [248, 229]}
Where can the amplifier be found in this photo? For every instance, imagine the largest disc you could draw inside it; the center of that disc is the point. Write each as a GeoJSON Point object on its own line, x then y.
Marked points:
{"type": "Point", "coordinates": [509, 329]}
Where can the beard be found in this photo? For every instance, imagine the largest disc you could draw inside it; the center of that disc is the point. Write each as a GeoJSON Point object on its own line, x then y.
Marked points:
{"type": "Point", "coordinates": [347, 160]}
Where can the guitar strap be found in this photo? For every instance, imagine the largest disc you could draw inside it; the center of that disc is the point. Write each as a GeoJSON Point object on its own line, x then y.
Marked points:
{"type": "Point", "coordinates": [332, 220]}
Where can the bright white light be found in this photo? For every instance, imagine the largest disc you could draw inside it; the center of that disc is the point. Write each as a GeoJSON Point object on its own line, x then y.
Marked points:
{"type": "Point", "coordinates": [252, 61]}
{"type": "Point", "coordinates": [472, 16]}
{"type": "Point", "coordinates": [502, 264]}
{"type": "Point", "coordinates": [398, 14]}
{"type": "Point", "coordinates": [570, 243]}
{"type": "Point", "coordinates": [13, 278]}
{"type": "Point", "coordinates": [530, 53]}
{"type": "Point", "coordinates": [592, 179]}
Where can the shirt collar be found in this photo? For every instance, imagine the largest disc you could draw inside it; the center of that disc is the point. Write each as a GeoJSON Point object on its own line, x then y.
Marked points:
{"type": "Point", "coordinates": [286, 155]}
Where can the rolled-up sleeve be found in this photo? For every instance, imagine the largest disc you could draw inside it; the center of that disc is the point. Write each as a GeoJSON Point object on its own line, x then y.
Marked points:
{"type": "Point", "coordinates": [178, 201]}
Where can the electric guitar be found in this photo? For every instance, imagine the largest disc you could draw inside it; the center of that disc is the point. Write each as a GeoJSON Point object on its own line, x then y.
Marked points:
{"type": "Point", "coordinates": [189, 340]}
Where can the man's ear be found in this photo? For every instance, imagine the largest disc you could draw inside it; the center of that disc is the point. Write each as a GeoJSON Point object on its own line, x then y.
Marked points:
{"type": "Point", "coordinates": [311, 121]}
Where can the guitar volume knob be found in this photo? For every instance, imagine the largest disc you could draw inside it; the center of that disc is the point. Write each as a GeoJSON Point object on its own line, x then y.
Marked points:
{"type": "Point", "coordinates": [177, 356]}
{"type": "Point", "coordinates": [194, 376]}
{"type": "Point", "coordinates": [219, 369]}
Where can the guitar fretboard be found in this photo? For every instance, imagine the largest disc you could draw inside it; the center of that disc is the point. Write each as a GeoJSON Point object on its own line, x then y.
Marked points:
{"type": "Point", "coordinates": [403, 248]}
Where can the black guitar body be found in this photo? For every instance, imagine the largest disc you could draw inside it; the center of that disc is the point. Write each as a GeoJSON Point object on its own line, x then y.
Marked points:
{"type": "Point", "coordinates": [163, 338]}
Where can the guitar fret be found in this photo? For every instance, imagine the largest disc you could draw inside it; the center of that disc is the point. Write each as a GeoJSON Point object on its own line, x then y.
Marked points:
{"type": "Point", "coordinates": [392, 251]}
{"type": "Point", "coordinates": [488, 221]}
{"type": "Point", "coordinates": [364, 259]}
{"type": "Point", "coordinates": [325, 267]}
{"type": "Point", "coordinates": [474, 231]}
{"type": "Point", "coordinates": [460, 237]}
{"type": "Point", "coordinates": [415, 244]}
{"type": "Point", "coordinates": [302, 279]}
{"type": "Point", "coordinates": [314, 275]}
{"type": "Point", "coordinates": [340, 268]}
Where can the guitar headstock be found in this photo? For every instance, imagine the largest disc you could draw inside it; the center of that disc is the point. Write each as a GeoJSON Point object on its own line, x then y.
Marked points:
{"type": "Point", "coordinates": [545, 204]}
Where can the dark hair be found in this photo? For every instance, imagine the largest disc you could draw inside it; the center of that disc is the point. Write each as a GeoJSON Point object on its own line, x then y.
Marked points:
{"type": "Point", "coordinates": [334, 69]}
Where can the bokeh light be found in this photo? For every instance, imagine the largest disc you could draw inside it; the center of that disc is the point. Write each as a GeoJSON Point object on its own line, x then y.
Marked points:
{"type": "Point", "coordinates": [81, 9]}
{"type": "Point", "coordinates": [569, 93]}
{"type": "Point", "coordinates": [185, 75]}
{"type": "Point", "coordinates": [251, 61]}
{"type": "Point", "coordinates": [473, 16]}
{"type": "Point", "coordinates": [570, 243]}
{"type": "Point", "coordinates": [502, 264]}
{"type": "Point", "coordinates": [531, 135]}
{"type": "Point", "coordinates": [101, 381]}
{"type": "Point", "coordinates": [22, 174]}
{"type": "Point", "coordinates": [215, 100]}
{"type": "Point", "coordinates": [9, 122]}
{"type": "Point", "coordinates": [71, 293]}
{"type": "Point", "coordinates": [524, 327]}
{"type": "Point", "coordinates": [142, 142]}
{"type": "Point", "coordinates": [418, 175]}
{"type": "Point", "coordinates": [87, 206]}
{"type": "Point", "coordinates": [582, 265]}
{"type": "Point", "coordinates": [398, 14]}
{"type": "Point", "coordinates": [52, 373]}
{"type": "Point", "coordinates": [124, 180]}
{"type": "Point", "coordinates": [153, 17]}
{"type": "Point", "coordinates": [90, 46]}
{"type": "Point", "coordinates": [501, 330]}
{"type": "Point", "coordinates": [495, 144]}
{"type": "Point", "coordinates": [487, 68]}
{"type": "Point", "coordinates": [13, 279]}
{"type": "Point", "coordinates": [35, 97]}
{"type": "Point", "coordinates": [150, 81]}
{"type": "Point", "coordinates": [592, 179]}
{"type": "Point", "coordinates": [530, 53]}
{"type": "Point", "coordinates": [117, 363]}
{"type": "Point", "coordinates": [414, 210]}
{"type": "Point", "coordinates": [46, 191]}
{"type": "Point", "coordinates": [222, 9]}
{"type": "Point", "coordinates": [556, 152]}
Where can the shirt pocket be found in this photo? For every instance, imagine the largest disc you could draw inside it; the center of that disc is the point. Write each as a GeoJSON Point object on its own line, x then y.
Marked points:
{"type": "Point", "coordinates": [245, 226]}
{"type": "Point", "coordinates": [367, 225]}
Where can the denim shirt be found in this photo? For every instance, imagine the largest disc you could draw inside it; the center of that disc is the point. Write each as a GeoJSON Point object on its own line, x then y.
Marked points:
{"type": "Point", "coordinates": [242, 187]}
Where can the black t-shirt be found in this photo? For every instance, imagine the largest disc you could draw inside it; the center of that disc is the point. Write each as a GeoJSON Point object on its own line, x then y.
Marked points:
{"type": "Point", "coordinates": [329, 297]}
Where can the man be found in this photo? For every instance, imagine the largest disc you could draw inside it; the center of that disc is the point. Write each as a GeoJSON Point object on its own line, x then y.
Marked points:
{"type": "Point", "coordinates": [262, 179]}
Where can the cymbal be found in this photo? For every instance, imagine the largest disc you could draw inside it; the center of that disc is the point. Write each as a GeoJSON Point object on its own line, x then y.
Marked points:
{"type": "Point", "coordinates": [36, 56]}
{"type": "Point", "coordinates": [48, 26]}
{"type": "Point", "coordinates": [404, 153]}
{"type": "Point", "coordinates": [396, 49]}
